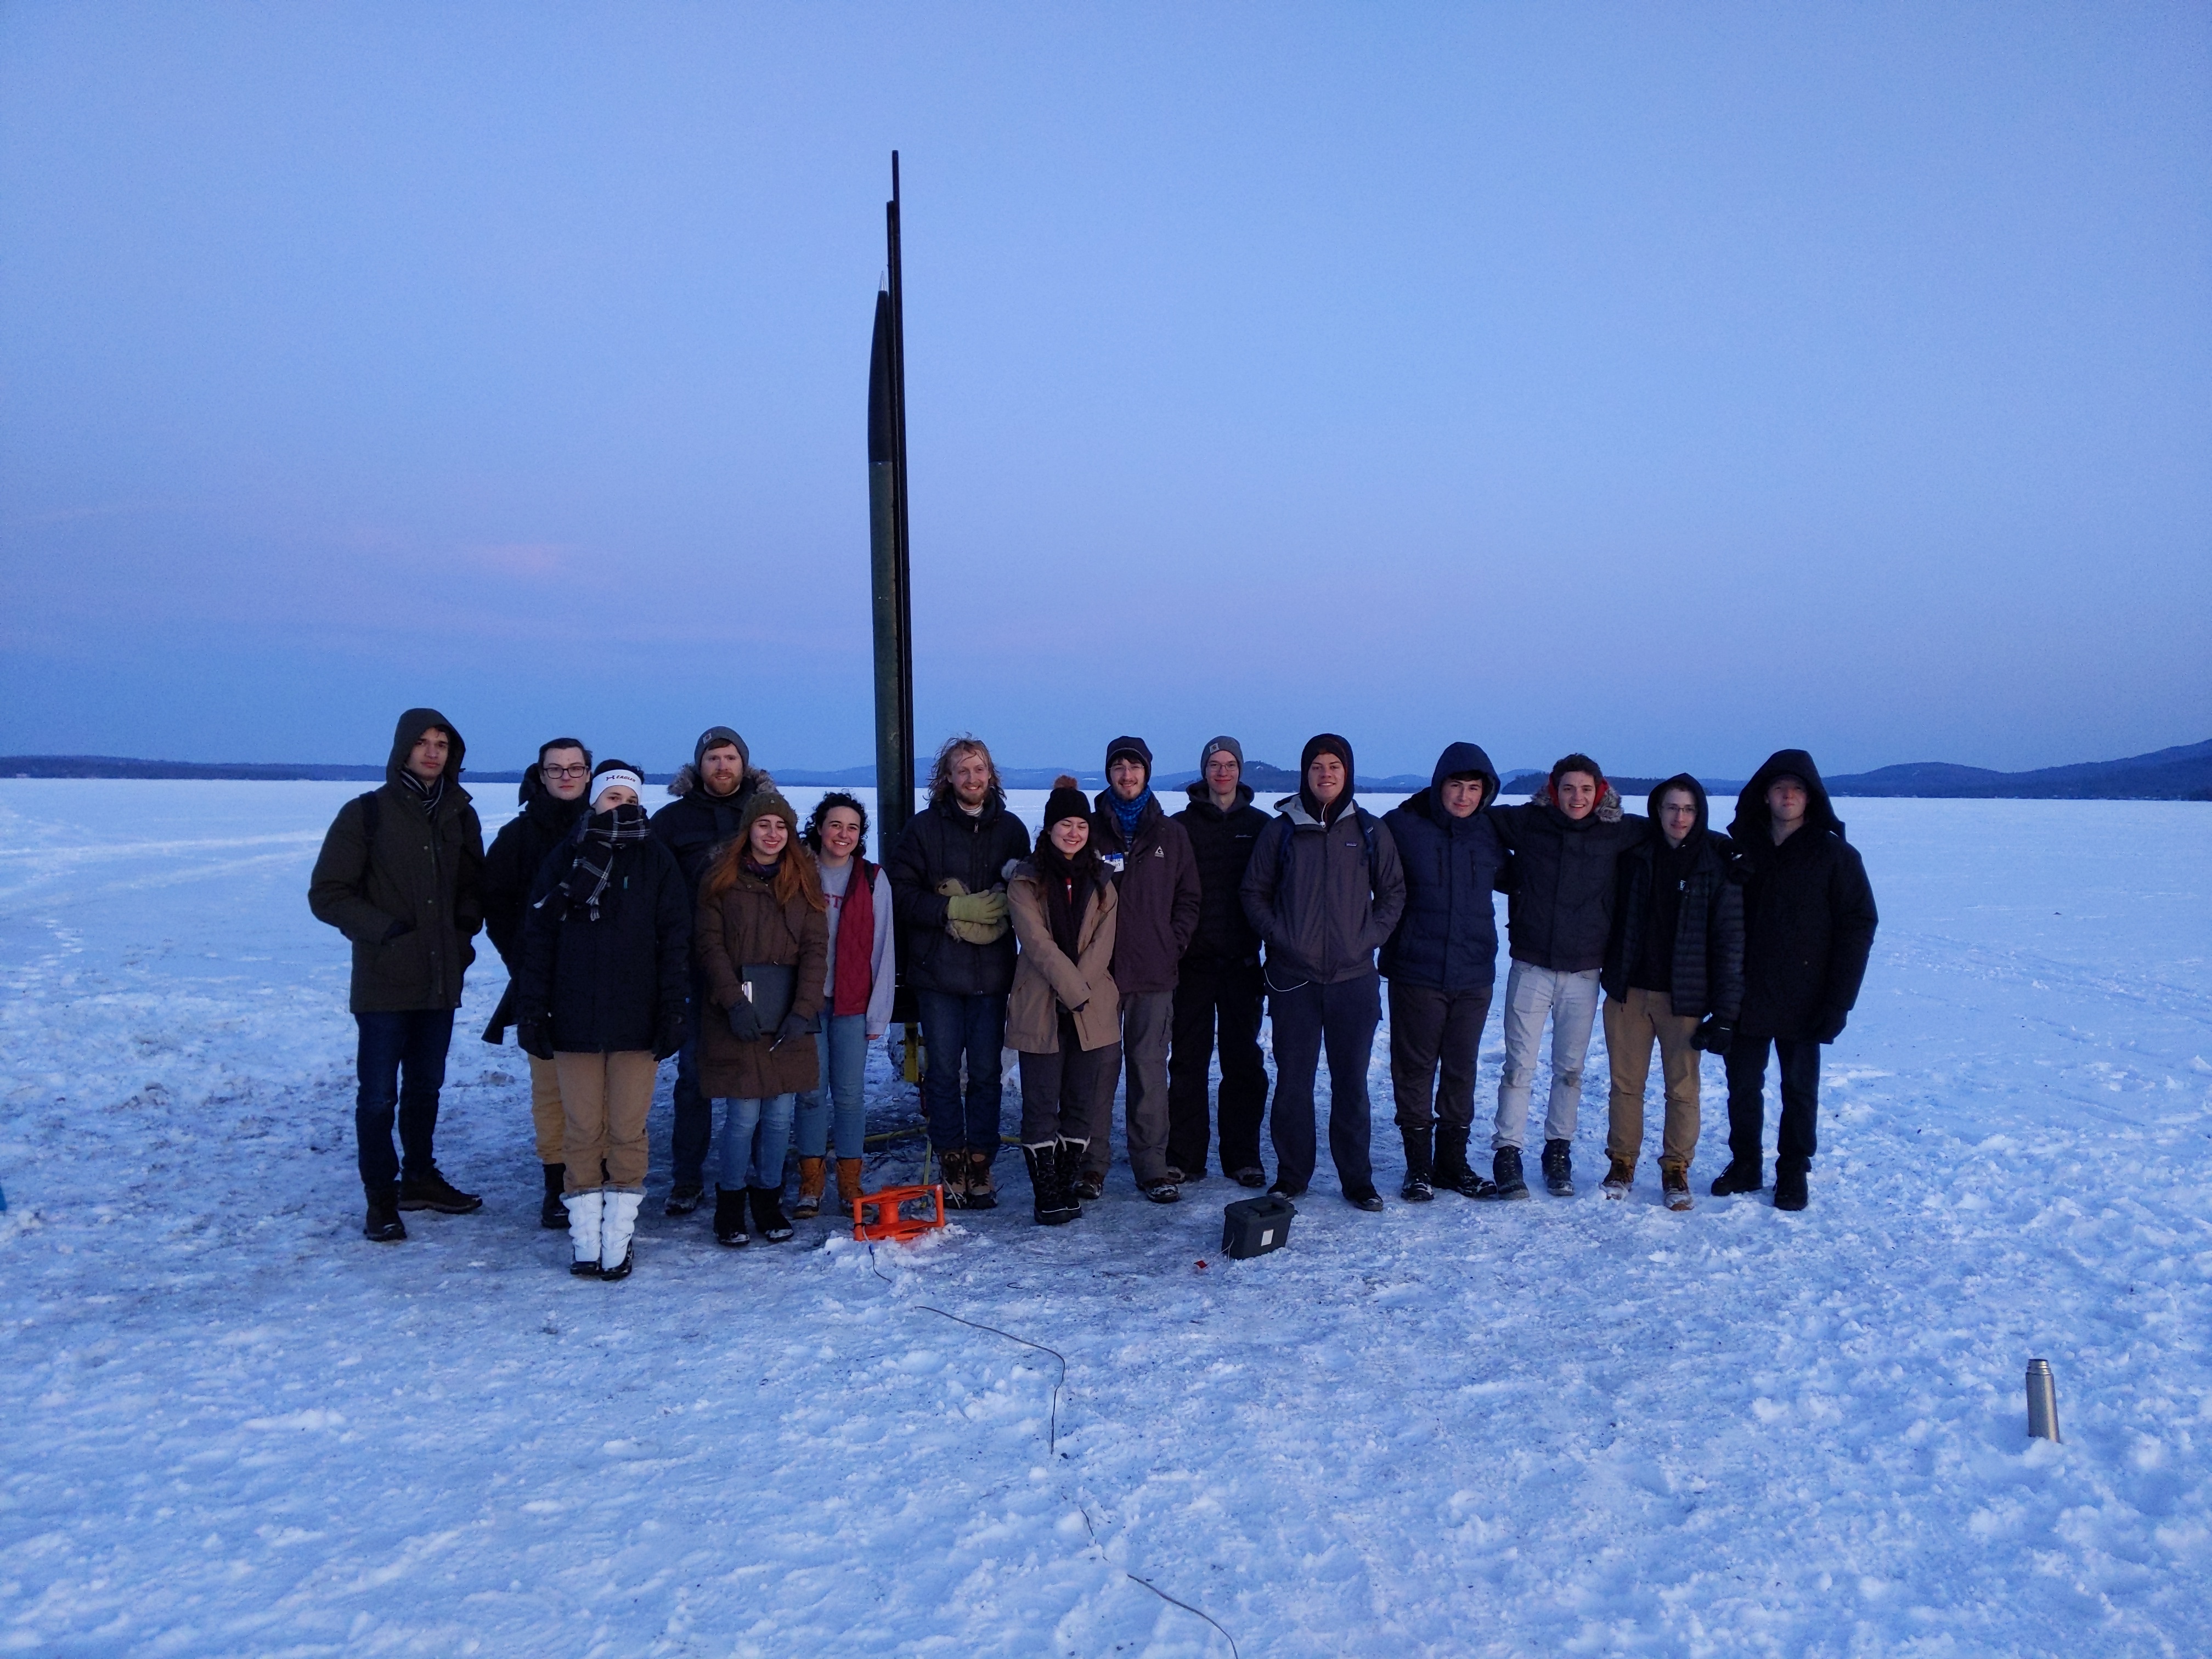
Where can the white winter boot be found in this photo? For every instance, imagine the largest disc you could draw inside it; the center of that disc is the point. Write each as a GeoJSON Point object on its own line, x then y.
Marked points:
{"type": "Point", "coordinates": [584, 1210]}
{"type": "Point", "coordinates": [615, 1237]}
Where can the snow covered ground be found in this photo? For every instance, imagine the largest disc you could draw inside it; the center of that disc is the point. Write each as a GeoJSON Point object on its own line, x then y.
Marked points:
{"type": "Point", "coordinates": [1553, 1427]}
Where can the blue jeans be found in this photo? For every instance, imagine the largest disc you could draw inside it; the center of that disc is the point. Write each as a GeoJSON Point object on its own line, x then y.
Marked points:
{"type": "Point", "coordinates": [953, 1026]}
{"type": "Point", "coordinates": [756, 1134]}
{"type": "Point", "coordinates": [402, 1065]}
{"type": "Point", "coordinates": [842, 1047]}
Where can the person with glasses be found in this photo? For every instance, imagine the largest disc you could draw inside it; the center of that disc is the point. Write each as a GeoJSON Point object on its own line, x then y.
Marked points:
{"type": "Point", "coordinates": [552, 799]}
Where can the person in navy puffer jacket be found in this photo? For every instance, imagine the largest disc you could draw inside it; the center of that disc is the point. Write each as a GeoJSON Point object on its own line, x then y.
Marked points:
{"type": "Point", "coordinates": [1442, 964]}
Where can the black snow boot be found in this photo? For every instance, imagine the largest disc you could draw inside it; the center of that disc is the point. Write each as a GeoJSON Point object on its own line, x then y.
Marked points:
{"type": "Point", "coordinates": [1742, 1175]}
{"type": "Point", "coordinates": [1505, 1167]}
{"type": "Point", "coordinates": [1449, 1170]}
{"type": "Point", "coordinates": [1046, 1185]}
{"type": "Point", "coordinates": [434, 1192]}
{"type": "Point", "coordinates": [1067, 1162]}
{"type": "Point", "coordinates": [683, 1198]}
{"type": "Point", "coordinates": [730, 1217]}
{"type": "Point", "coordinates": [553, 1214]}
{"type": "Point", "coordinates": [767, 1214]}
{"type": "Point", "coordinates": [1417, 1189]}
{"type": "Point", "coordinates": [1559, 1170]}
{"type": "Point", "coordinates": [384, 1225]}
{"type": "Point", "coordinates": [1789, 1175]}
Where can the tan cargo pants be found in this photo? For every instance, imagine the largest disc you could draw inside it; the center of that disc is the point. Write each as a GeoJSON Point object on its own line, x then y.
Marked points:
{"type": "Point", "coordinates": [545, 1111]}
{"type": "Point", "coordinates": [605, 1098]}
{"type": "Point", "coordinates": [1632, 1025]}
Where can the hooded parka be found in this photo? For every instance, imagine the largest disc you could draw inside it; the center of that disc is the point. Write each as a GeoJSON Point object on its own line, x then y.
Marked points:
{"type": "Point", "coordinates": [1447, 939]}
{"type": "Point", "coordinates": [941, 844]}
{"type": "Point", "coordinates": [1706, 965]}
{"type": "Point", "coordinates": [1323, 890]}
{"type": "Point", "coordinates": [1045, 981]}
{"type": "Point", "coordinates": [1560, 911]}
{"type": "Point", "coordinates": [744, 926]}
{"type": "Point", "coordinates": [510, 874]}
{"type": "Point", "coordinates": [411, 897]}
{"type": "Point", "coordinates": [616, 985]}
{"type": "Point", "coordinates": [1809, 916]}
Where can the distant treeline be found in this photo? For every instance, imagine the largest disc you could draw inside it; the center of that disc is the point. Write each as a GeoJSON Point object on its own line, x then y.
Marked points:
{"type": "Point", "coordinates": [2182, 774]}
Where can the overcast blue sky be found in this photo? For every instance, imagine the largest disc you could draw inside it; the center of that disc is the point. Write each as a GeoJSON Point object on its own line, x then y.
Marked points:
{"type": "Point", "coordinates": [1675, 382]}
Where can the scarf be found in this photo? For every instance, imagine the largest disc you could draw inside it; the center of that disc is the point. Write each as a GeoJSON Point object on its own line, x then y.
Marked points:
{"type": "Point", "coordinates": [1067, 885]}
{"type": "Point", "coordinates": [1126, 813]}
{"type": "Point", "coordinates": [594, 867]}
{"type": "Point", "coordinates": [427, 795]}
{"type": "Point", "coordinates": [856, 942]}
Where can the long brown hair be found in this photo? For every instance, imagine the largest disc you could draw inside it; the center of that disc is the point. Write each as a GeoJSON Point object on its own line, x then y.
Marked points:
{"type": "Point", "coordinates": [797, 875]}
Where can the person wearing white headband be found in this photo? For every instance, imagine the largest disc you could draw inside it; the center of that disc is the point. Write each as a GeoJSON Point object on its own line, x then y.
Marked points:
{"type": "Point", "coordinates": [605, 974]}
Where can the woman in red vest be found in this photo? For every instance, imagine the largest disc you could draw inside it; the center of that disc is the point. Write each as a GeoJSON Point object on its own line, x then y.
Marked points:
{"type": "Point", "coordinates": [857, 1000]}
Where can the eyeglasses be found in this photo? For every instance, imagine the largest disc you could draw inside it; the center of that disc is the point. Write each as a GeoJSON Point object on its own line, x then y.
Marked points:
{"type": "Point", "coordinates": [565, 771]}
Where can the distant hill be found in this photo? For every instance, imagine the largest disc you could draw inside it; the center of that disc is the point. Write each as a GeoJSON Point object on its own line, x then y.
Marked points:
{"type": "Point", "coordinates": [2182, 774]}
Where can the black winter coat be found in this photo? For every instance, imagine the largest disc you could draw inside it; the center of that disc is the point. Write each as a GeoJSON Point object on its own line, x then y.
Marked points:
{"type": "Point", "coordinates": [1159, 895]}
{"type": "Point", "coordinates": [941, 843]}
{"type": "Point", "coordinates": [1323, 895]}
{"type": "Point", "coordinates": [695, 824]}
{"type": "Point", "coordinates": [1808, 909]}
{"type": "Point", "coordinates": [1561, 908]}
{"type": "Point", "coordinates": [406, 888]}
{"type": "Point", "coordinates": [510, 870]}
{"type": "Point", "coordinates": [1448, 937]}
{"type": "Point", "coordinates": [1706, 956]}
{"type": "Point", "coordinates": [610, 985]}
{"type": "Point", "coordinates": [1221, 846]}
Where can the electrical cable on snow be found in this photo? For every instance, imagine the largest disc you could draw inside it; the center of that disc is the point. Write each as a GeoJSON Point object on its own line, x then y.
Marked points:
{"type": "Point", "coordinates": [1052, 1445]}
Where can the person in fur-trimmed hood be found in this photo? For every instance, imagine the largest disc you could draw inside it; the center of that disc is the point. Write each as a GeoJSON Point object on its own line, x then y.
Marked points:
{"type": "Point", "coordinates": [1808, 927]}
{"type": "Point", "coordinates": [706, 813]}
{"type": "Point", "coordinates": [1565, 843]}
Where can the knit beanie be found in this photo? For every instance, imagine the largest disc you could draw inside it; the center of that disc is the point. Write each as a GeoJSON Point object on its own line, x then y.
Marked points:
{"type": "Point", "coordinates": [1220, 746]}
{"type": "Point", "coordinates": [1135, 748]}
{"type": "Point", "coordinates": [763, 802]}
{"type": "Point", "coordinates": [1066, 801]}
{"type": "Point", "coordinates": [713, 738]}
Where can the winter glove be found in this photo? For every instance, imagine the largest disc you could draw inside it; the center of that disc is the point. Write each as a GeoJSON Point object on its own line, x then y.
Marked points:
{"type": "Point", "coordinates": [987, 910]}
{"type": "Point", "coordinates": [399, 929]}
{"type": "Point", "coordinates": [744, 1023]}
{"type": "Point", "coordinates": [668, 1036]}
{"type": "Point", "coordinates": [794, 1024]}
{"type": "Point", "coordinates": [534, 1036]}
{"type": "Point", "coordinates": [1830, 1025]}
{"type": "Point", "coordinates": [1714, 1036]}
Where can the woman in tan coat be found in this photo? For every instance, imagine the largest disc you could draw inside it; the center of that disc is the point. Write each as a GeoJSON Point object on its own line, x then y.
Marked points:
{"type": "Point", "coordinates": [762, 940]}
{"type": "Point", "coordinates": [1064, 1014]}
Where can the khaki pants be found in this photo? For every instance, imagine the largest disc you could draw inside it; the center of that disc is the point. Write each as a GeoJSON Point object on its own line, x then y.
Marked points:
{"type": "Point", "coordinates": [605, 1098]}
{"type": "Point", "coordinates": [1631, 1025]}
{"type": "Point", "coordinates": [546, 1112]}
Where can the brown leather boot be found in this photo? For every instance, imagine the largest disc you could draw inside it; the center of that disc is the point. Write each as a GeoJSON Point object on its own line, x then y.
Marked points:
{"type": "Point", "coordinates": [983, 1195]}
{"type": "Point", "coordinates": [848, 1186]}
{"type": "Point", "coordinates": [1675, 1183]}
{"type": "Point", "coordinates": [953, 1174]}
{"type": "Point", "coordinates": [809, 1189]}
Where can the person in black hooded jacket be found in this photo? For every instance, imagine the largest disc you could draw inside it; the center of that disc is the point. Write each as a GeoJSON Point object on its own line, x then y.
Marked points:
{"type": "Point", "coordinates": [1674, 957]}
{"type": "Point", "coordinates": [400, 875]}
{"type": "Point", "coordinates": [1442, 964]}
{"type": "Point", "coordinates": [606, 949]}
{"type": "Point", "coordinates": [552, 799]}
{"type": "Point", "coordinates": [1809, 922]}
{"type": "Point", "coordinates": [705, 813]}
{"type": "Point", "coordinates": [1219, 985]}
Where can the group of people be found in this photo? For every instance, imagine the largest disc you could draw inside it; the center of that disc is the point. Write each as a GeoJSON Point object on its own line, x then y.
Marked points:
{"type": "Point", "coordinates": [1122, 950]}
